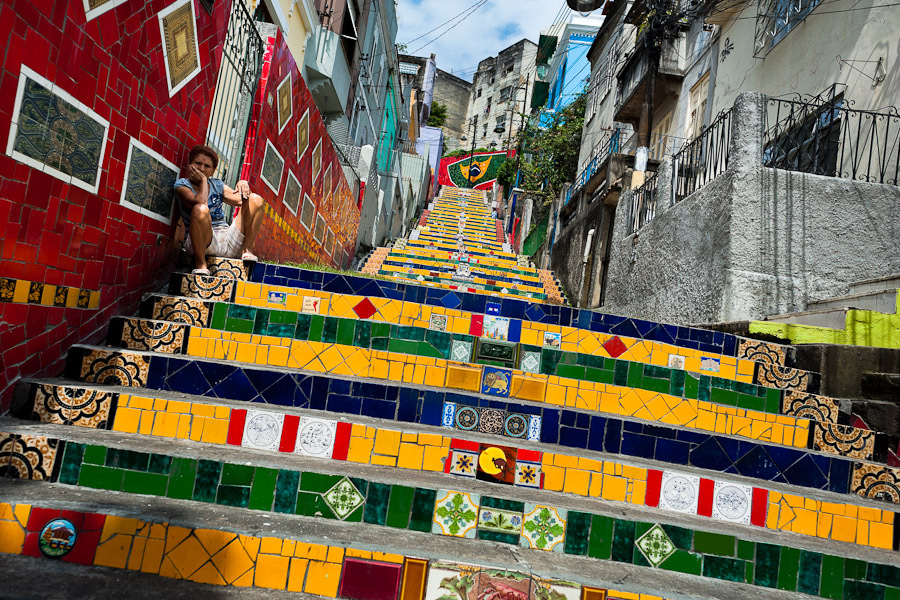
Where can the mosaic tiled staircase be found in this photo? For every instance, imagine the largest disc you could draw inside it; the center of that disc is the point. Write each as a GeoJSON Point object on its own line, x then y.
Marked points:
{"type": "Point", "coordinates": [458, 245]}
{"type": "Point", "coordinates": [397, 437]}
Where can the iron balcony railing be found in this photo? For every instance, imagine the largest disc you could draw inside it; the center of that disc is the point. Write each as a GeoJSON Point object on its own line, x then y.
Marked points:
{"type": "Point", "coordinates": [643, 203]}
{"type": "Point", "coordinates": [704, 158]}
{"type": "Point", "coordinates": [830, 138]}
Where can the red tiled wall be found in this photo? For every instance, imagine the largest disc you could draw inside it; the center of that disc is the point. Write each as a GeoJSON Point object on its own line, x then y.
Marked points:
{"type": "Point", "coordinates": [283, 237]}
{"type": "Point", "coordinates": [59, 234]}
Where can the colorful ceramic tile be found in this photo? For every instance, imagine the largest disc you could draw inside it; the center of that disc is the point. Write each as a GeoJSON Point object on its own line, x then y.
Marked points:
{"type": "Point", "coordinates": [456, 514]}
{"type": "Point", "coordinates": [285, 96]}
{"type": "Point", "coordinates": [528, 474]}
{"type": "Point", "coordinates": [496, 382]}
{"type": "Point", "coordinates": [438, 322]}
{"type": "Point", "coordinates": [262, 430]}
{"type": "Point", "coordinates": [810, 406]}
{"type": "Point", "coordinates": [115, 368]}
{"type": "Point", "coordinates": [877, 482]}
{"type": "Point", "coordinates": [708, 363]}
{"type": "Point", "coordinates": [490, 420]}
{"type": "Point", "coordinates": [307, 217]}
{"type": "Point", "coordinates": [303, 135]}
{"type": "Point", "coordinates": [316, 437]}
{"type": "Point", "coordinates": [461, 351]}
{"type": "Point", "coordinates": [496, 328]}
{"type": "Point", "coordinates": [180, 47]}
{"type": "Point", "coordinates": [761, 352]}
{"type": "Point", "coordinates": [475, 582]}
{"type": "Point", "coordinates": [311, 304]}
{"type": "Point", "coordinates": [73, 406]}
{"type": "Point", "coordinates": [844, 440]}
{"type": "Point", "coordinates": [467, 418]}
{"type": "Point", "coordinates": [676, 361]}
{"type": "Point", "coordinates": [272, 167]}
{"type": "Point", "coordinates": [502, 521]}
{"type": "Point", "coordinates": [497, 464]}
{"type": "Point", "coordinates": [292, 192]}
{"type": "Point", "coordinates": [27, 456]}
{"type": "Point", "coordinates": [149, 183]}
{"type": "Point", "coordinates": [370, 580]}
{"type": "Point", "coordinates": [530, 362]}
{"type": "Point", "coordinates": [534, 428]}
{"type": "Point", "coordinates": [276, 298]}
{"type": "Point", "coordinates": [615, 346]}
{"type": "Point", "coordinates": [552, 339]}
{"type": "Point", "coordinates": [655, 545]}
{"type": "Point", "coordinates": [515, 425]}
{"type": "Point", "coordinates": [782, 378]}
{"type": "Point", "coordinates": [448, 415]}
{"type": "Point", "coordinates": [732, 502]}
{"type": "Point", "coordinates": [343, 498]}
{"type": "Point", "coordinates": [679, 492]}
{"type": "Point", "coordinates": [543, 528]}
{"type": "Point", "coordinates": [463, 463]}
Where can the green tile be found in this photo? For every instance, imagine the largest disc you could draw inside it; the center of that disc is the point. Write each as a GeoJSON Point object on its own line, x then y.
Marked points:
{"type": "Point", "coordinates": [746, 550]}
{"type": "Point", "coordinates": [684, 562]}
{"type": "Point", "coordinates": [751, 402]}
{"type": "Point", "coordinates": [691, 386]}
{"type": "Point", "coordinates": [399, 506]}
{"type": "Point", "coordinates": [726, 397]}
{"type": "Point", "coordinates": [181, 478]}
{"type": "Point", "coordinates": [377, 503]}
{"type": "Point", "coordinates": [598, 375]}
{"type": "Point", "coordinates": [346, 331]}
{"type": "Point", "coordinates": [832, 583]}
{"type": "Point", "coordinates": [885, 574]}
{"type": "Point", "coordinates": [729, 569]}
{"type": "Point", "coordinates": [656, 385]}
{"type": "Point", "coordinates": [262, 493]}
{"type": "Point", "coordinates": [570, 371]}
{"type": "Point", "coordinates": [73, 455]}
{"type": "Point", "coordinates": [207, 481]}
{"type": "Point", "coordinates": [153, 484]}
{"type": "Point", "coordinates": [713, 543]}
{"type": "Point", "coordinates": [773, 401]}
{"type": "Point", "coordinates": [788, 568]}
{"type": "Point", "coordinates": [311, 504]}
{"type": "Point", "coordinates": [635, 375]}
{"type": "Point", "coordinates": [329, 332]}
{"type": "Point", "coordinates": [426, 349]}
{"type": "Point", "coordinates": [316, 325]}
{"type": "Point", "coordinates": [676, 383]}
{"type": "Point", "coordinates": [103, 478]}
{"type": "Point", "coordinates": [95, 455]}
{"type": "Point", "coordinates": [680, 536]}
{"type": "Point", "coordinates": [600, 541]}
{"type": "Point", "coordinates": [220, 311]}
{"type": "Point", "coordinates": [578, 532]}
{"type": "Point", "coordinates": [238, 325]}
{"type": "Point", "coordinates": [891, 593]}
{"type": "Point", "coordinates": [127, 459]}
{"type": "Point", "coordinates": [403, 346]}
{"type": "Point", "coordinates": [623, 541]}
{"type": "Point", "coordinates": [318, 482]}
{"type": "Point", "coordinates": [380, 343]}
{"type": "Point", "coordinates": [502, 504]}
{"type": "Point", "coordinates": [382, 330]}
{"type": "Point", "coordinates": [233, 495]}
{"type": "Point", "coordinates": [363, 336]}
{"type": "Point", "coordinates": [767, 557]}
{"type": "Point", "coordinates": [658, 372]}
{"type": "Point", "coordinates": [237, 474]}
{"type": "Point", "coordinates": [854, 569]}
{"type": "Point", "coordinates": [441, 341]}
{"type": "Point", "coordinates": [262, 322]}
{"type": "Point", "coordinates": [286, 491]}
{"type": "Point", "coordinates": [241, 311]}
{"type": "Point", "coordinates": [159, 463]}
{"type": "Point", "coordinates": [704, 391]}
{"type": "Point", "coordinates": [403, 332]}
{"type": "Point", "coordinates": [549, 360]}
{"type": "Point", "coordinates": [303, 326]}
{"type": "Point", "coordinates": [748, 571]}
{"type": "Point", "coordinates": [422, 510]}
{"type": "Point", "coordinates": [862, 590]}
{"type": "Point", "coordinates": [810, 573]}
{"type": "Point", "coordinates": [497, 536]}
{"type": "Point", "coordinates": [287, 330]}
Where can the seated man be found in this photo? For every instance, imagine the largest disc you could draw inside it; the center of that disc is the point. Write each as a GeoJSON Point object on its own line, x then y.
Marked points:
{"type": "Point", "coordinates": [200, 196]}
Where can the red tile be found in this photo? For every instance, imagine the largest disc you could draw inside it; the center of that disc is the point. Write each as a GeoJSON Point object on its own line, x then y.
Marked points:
{"type": "Point", "coordinates": [759, 506]}
{"type": "Point", "coordinates": [654, 485]}
{"type": "Point", "coordinates": [705, 500]}
{"type": "Point", "coordinates": [289, 433]}
{"type": "Point", "coordinates": [365, 309]}
{"type": "Point", "coordinates": [529, 455]}
{"type": "Point", "coordinates": [341, 441]}
{"type": "Point", "coordinates": [236, 426]}
{"type": "Point", "coordinates": [369, 580]}
{"type": "Point", "coordinates": [476, 325]}
{"type": "Point", "coordinates": [615, 347]}
{"type": "Point", "coordinates": [458, 444]}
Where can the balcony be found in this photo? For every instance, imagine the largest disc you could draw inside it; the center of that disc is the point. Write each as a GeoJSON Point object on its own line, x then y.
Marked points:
{"type": "Point", "coordinates": [328, 73]}
{"type": "Point", "coordinates": [633, 80]}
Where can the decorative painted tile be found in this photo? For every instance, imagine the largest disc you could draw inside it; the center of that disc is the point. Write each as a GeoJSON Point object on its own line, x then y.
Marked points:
{"type": "Point", "coordinates": [676, 361]}
{"type": "Point", "coordinates": [543, 527]}
{"type": "Point", "coordinates": [233, 268]}
{"type": "Point", "coordinates": [262, 430]}
{"type": "Point", "coordinates": [311, 304]}
{"type": "Point", "coordinates": [463, 463]}
{"type": "Point", "coordinates": [73, 406]}
{"type": "Point", "coordinates": [448, 416]}
{"type": "Point", "coordinates": [732, 502]}
{"type": "Point", "coordinates": [307, 216]}
{"type": "Point", "coordinates": [528, 474]}
{"type": "Point", "coordinates": [461, 351]}
{"type": "Point", "coordinates": [844, 440]}
{"type": "Point", "coordinates": [272, 167]}
{"type": "Point", "coordinates": [514, 425]}
{"type": "Point", "coordinates": [467, 418]}
{"type": "Point", "coordinates": [207, 288]}
{"type": "Point", "coordinates": [115, 368]}
{"type": "Point", "coordinates": [761, 352]}
{"type": "Point", "coordinates": [502, 521]}
{"type": "Point", "coordinates": [496, 382]}
{"type": "Point", "coordinates": [491, 421]}
{"type": "Point", "coordinates": [492, 308]}
{"type": "Point", "coordinates": [149, 183]}
{"type": "Point", "coordinates": [181, 310]}
{"type": "Point", "coordinates": [317, 161]}
{"type": "Point", "coordinates": [303, 135]}
{"type": "Point", "coordinates": [877, 482]}
{"type": "Point", "coordinates": [438, 322]}
{"type": "Point", "coordinates": [180, 48]}
{"type": "Point", "coordinates": [679, 492]}
{"type": "Point", "coordinates": [530, 362]}
{"type": "Point", "coordinates": [710, 364]}
{"type": "Point", "coordinates": [655, 545]}
{"type": "Point", "coordinates": [495, 328]}
{"type": "Point", "coordinates": [276, 298]}
{"type": "Point", "coordinates": [343, 498]}
{"type": "Point", "coordinates": [552, 339]}
{"type": "Point", "coordinates": [456, 514]}
{"type": "Point", "coordinates": [27, 456]}
{"type": "Point", "coordinates": [810, 406]}
{"type": "Point", "coordinates": [285, 111]}
{"type": "Point", "coordinates": [293, 190]}
{"type": "Point", "coordinates": [497, 464]}
{"type": "Point", "coordinates": [534, 428]}
{"type": "Point", "coordinates": [316, 437]}
{"type": "Point", "coordinates": [140, 334]}
{"type": "Point", "coordinates": [782, 378]}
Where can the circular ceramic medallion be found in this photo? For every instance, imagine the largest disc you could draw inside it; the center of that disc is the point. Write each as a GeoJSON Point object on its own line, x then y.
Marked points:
{"type": "Point", "coordinates": [679, 493]}
{"type": "Point", "coordinates": [732, 502]}
{"type": "Point", "coordinates": [57, 538]}
{"type": "Point", "coordinates": [515, 425]}
{"type": "Point", "coordinates": [262, 430]}
{"type": "Point", "coordinates": [315, 438]}
{"type": "Point", "coordinates": [467, 418]}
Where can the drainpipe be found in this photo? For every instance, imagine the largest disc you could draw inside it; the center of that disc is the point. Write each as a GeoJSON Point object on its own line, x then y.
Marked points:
{"type": "Point", "coordinates": [584, 262]}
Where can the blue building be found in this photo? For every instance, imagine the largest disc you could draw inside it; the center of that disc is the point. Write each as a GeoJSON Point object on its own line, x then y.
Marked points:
{"type": "Point", "coordinates": [569, 68]}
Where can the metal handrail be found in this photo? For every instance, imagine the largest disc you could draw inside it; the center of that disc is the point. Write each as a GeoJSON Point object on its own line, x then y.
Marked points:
{"type": "Point", "coordinates": [703, 158]}
{"type": "Point", "coordinates": [643, 202]}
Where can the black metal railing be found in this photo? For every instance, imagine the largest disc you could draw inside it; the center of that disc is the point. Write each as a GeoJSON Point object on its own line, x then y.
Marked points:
{"type": "Point", "coordinates": [830, 138]}
{"type": "Point", "coordinates": [643, 203]}
{"type": "Point", "coordinates": [703, 158]}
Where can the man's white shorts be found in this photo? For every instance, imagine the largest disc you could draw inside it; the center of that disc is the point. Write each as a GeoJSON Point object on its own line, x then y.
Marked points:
{"type": "Point", "coordinates": [226, 242]}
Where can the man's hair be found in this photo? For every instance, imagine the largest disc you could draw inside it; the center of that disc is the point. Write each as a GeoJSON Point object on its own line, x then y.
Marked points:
{"type": "Point", "coordinates": [200, 149]}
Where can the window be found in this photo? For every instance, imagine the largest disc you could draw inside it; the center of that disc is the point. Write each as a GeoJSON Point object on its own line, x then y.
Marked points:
{"type": "Point", "coordinates": [478, 95]}
{"type": "Point", "coordinates": [487, 108]}
{"type": "Point", "coordinates": [697, 107]}
{"type": "Point", "coordinates": [775, 19]}
{"type": "Point", "coordinates": [810, 144]}
{"type": "Point", "coordinates": [505, 93]}
{"type": "Point", "coordinates": [484, 133]}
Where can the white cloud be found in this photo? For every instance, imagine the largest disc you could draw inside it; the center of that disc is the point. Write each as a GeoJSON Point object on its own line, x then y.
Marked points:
{"type": "Point", "coordinates": [493, 27]}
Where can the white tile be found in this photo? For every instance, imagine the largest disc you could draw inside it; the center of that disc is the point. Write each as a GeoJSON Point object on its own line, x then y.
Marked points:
{"type": "Point", "coordinates": [262, 430]}
{"type": "Point", "coordinates": [732, 502]}
{"type": "Point", "coordinates": [679, 492]}
{"type": "Point", "coordinates": [315, 437]}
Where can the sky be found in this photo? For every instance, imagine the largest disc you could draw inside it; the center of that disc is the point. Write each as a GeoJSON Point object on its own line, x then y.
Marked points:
{"type": "Point", "coordinates": [492, 27]}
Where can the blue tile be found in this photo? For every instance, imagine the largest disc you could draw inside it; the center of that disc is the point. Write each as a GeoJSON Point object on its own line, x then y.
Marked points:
{"type": "Point", "coordinates": [450, 300]}
{"type": "Point", "coordinates": [633, 426]}
{"type": "Point", "coordinates": [672, 451]}
{"type": "Point", "coordinates": [839, 477]}
{"type": "Point", "coordinates": [612, 442]}
{"type": "Point", "coordinates": [263, 379]}
{"type": "Point", "coordinates": [344, 404]}
{"type": "Point", "coordinates": [432, 408]}
{"type": "Point", "coordinates": [380, 409]}
{"type": "Point", "coordinates": [757, 464]}
{"type": "Point", "coordinates": [692, 437]}
{"type": "Point", "coordinates": [492, 308]}
{"type": "Point", "coordinates": [337, 286]}
{"type": "Point", "coordinates": [550, 426]}
{"type": "Point", "coordinates": [583, 420]}
{"type": "Point", "coordinates": [515, 330]}
{"type": "Point", "coordinates": [634, 444]}
{"type": "Point", "coordinates": [597, 432]}
{"type": "Point", "coordinates": [188, 380]}
{"type": "Point", "coordinates": [573, 438]}
{"type": "Point", "coordinates": [370, 390]}
{"type": "Point", "coordinates": [156, 374]}
{"type": "Point", "coordinates": [567, 418]}
{"type": "Point", "coordinates": [806, 473]}
{"type": "Point", "coordinates": [729, 346]}
{"type": "Point", "coordinates": [643, 327]}
{"type": "Point", "coordinates": [283, 388]}
{"type": "Point", "coordinates": [709, 455]}
{"type": "Point", "coordinates": [513, 309]}
{"type": "Point", "coordinates": [659, 432]}
{"type": "Point", "coordinates": [407, 408]}
{"type": "Point", "coordinates": [216, 373]}
{"type": "Point", "coordinates": [584, 319]}
{"type": "Point", "coordinates": [236, 387]}
{"type": "Point", "coordinates": [339, 386]}
{"type": "Point", "coordinates": [626, 328]}
{"type": "Point", "coordinates": [534, 313]}
{"type": "Point", "coordinates": [782, 456]}
{"type": "Point", "coordinates": [731, 446]}
{"type": "Point", "coordinates": [660, 334]}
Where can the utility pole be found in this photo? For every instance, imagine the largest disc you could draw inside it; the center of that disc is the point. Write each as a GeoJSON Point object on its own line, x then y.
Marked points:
{"type": "Point", "coordinates": [472, 155]}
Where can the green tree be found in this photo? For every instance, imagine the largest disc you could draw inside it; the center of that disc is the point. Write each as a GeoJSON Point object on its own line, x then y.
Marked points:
{"type": "Point", "coordinates": [507, 174]}
{"type": "Point", "coordinates": [438, 115]}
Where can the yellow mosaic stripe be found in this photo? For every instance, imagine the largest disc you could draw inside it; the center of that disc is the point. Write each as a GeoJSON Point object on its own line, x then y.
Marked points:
{"type": "Point", "coordinates": [338, 359]}
{"type": "Point", "coordinates": [210, 556]}
{"type": "Point", "coordinates": [484, 269]}
{"type": "Point", "coordinates": [477, 280]}
{"type": "Point", "coordinates": [22, 291]}
{"type": "Point", "coordinates": [607, 480]}
{"type": "Point", "coordinates": [400, 312]}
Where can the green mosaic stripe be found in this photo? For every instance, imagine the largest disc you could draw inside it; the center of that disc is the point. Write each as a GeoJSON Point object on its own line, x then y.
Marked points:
{"type": "Point", "coordinates": [705, 554]}
{"type": "Point", "coordinates": [419, 341]}
{"type": "Point", "coordinates": [489, 288]}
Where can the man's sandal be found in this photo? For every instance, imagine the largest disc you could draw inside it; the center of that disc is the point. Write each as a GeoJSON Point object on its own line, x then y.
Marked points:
{"type": "Point", "coordinates": [200, 272]}
{"type": "Point", "coordinates": [248, 256]}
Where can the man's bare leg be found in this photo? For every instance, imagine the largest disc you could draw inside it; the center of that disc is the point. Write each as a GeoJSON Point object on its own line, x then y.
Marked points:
{"type": "Point", "coordinates": [251, 220]}
{"type": "Point", "coordinates": [201, 234]}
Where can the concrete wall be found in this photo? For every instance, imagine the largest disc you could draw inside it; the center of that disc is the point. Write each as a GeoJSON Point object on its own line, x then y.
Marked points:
{"type": "Point", "coordinates": [454, 92]}
{"type": "Point", "coordinates": [755, 241]}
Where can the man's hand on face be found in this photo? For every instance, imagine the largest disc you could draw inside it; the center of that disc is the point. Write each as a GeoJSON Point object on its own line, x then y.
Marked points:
{"type": "Point", "coordinates": [243, 188]}
{"type": "Point", "coordinates": [195, 175]}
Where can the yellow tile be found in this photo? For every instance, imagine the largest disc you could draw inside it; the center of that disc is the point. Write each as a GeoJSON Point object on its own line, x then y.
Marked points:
{"type": "Point", "coordinates": [835, 509]}
{"type": "Point", "coordinates": [387, 442]}
{"type": "Point", "coordinates": [553, 478]}
{"type": "Point", "coordinates": [638, 492]}
{"type": "Point", "coordinates": [126, 420]}
{"type": "Point", "coordinates": [804, 522]}
{"type": "Point", "coordinates": [153, 555]}
{"type": "Point", "coordinates": [590, 464]}
{"type": "Point", "coordinates": [384, 461]}
{"type": "Point", "coordinates": [215, 431]}
{"type": "Point", "coordinates": [310, 551]}
{"type": "Point", "coordinates": [576, 482]}
{"type": "Point", "coordinates": [222, 412]}
{"type": "Point", "coordinates": [335, 554]}
{"type": "Point", "coordinates": [297, 574]}
{"type": "Point", "coordinates": [322, 578]}
{"type": "Point", "coordinates": [614, 488]}
{"type": "Point", "coordinates": [843, 529]}
{"type": "Point", "coordinates": [463, 378]}
{"type": "Point", "coordinates": [434, 458]}
{"type": "Point", "coordinates": [197, 346]}
{"type": "Point", "coordinates": [528, 388]}
{"type": "Point", "coordinates": [270, 545]}
{"type": "Point", "coordinates": [862, 533]}
{"type": "Point", "coordinates": [271, 571]}
{"type": "Point", "coordinates": [869, 514]}
{"type": "Point", "coordinates": [410, 456]}
{"type": "Point", "coordinates": [360, 450]}
{"type": "Point", "coordinates": [823, 527]}
{"type": "Point", "coordinates": [146, 425]}
{"type": "Point", "coordinates": [881, 535]}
